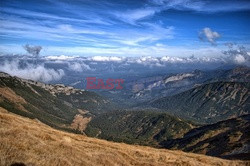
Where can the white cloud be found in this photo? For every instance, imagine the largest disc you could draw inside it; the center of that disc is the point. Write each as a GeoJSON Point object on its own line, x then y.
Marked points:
{"type": "Point", "coordinates": [172, 59]}
{"type": "Point", "coordinates": [147, 59]}
{"type": "Point", "coordinates": [61, 57]}
{"type": "Point", "coordinates": [66, 28]}
{"type": "Point", "coordinates": [29, 13]}
{"type": "Point", "coordinates": [31, 71]}
{"type": "Point", "coordinates": [60, 32]}
{"type": "Point", "coordinates": [114, 58]}
{"type": "Point", "coordinates": [150, 33]}
{"type": "Point", "coordinates": [239, 59]}
{"type": "Point", "coordinates": [201, 5]}
{"type": "Point", "coordinates": [206, 34]}
{"type": "Point", "coordinates": [156, 6]}
{"type": "Point", "coordinates": [131, 16]}
{"type": "Point", "coordinates": [180, 4]}
{"type": "Point", "coordinates": [106, 58]}
{"type": "Point", "coordinates": [78, 67]}
{"type": "Point", "coordinates": [75, 67]}
{"type": "Point", "coordinates": [237, 54]}
{"type": "Point", "coordinates": [166, 60]}
{"type": "Point", "coordinates": [157, 50]}
{"type": "Point", "coordinates": [100, 58]}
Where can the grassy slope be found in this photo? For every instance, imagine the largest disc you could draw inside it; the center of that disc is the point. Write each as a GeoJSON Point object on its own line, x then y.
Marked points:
{"type": "Point", "coordinates": [58, 111]}
{"type": "Point", "coordinates": [33, 143]}
{"type": "Point", "coordinates": [38, 103]}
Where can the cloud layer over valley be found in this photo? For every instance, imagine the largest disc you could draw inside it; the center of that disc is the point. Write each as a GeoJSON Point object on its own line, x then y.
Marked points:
{"type": "Point", "coordinates": [31, 71]}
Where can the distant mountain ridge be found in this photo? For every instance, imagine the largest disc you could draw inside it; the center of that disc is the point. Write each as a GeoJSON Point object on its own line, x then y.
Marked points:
{"type": "Point", "coordinates": [208, 103]}
{"type": "Point", "coordinates": [176, 83]}
{"type": "Point", "coordinates": [147, 88]}
{"type": "Point", "coordinates": [237, 74]}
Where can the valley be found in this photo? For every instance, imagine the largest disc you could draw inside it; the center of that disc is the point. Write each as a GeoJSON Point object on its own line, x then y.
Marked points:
{"type": "Point", "coordinates": [124, 83]}
{"type": "Point", "coordinates": [190, 121]}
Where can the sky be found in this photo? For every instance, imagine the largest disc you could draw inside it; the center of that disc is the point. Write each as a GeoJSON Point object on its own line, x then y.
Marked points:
{"type": "Point", "coordinates": [126, 28]}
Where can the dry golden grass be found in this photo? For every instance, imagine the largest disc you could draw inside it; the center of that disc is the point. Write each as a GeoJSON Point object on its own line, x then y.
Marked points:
{"type": "Point", "coordinates": [33, 143]}
{"type": "Point", "coordinates": [11, 95]}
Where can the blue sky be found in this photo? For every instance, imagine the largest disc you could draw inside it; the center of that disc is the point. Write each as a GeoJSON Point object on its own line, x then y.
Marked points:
{"type": "Point", "coordinates": [124, 27]}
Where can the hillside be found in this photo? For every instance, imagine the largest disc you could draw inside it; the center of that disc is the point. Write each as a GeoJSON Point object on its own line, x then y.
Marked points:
{"type": "Point", "coordinates": [237, 74]}
{"type": "Point", "coordinates": [55, 105]}
{"type": "Point", "coordinates": [151, 88]}
{"type": "Point", "coordinates": [227, 139]}
{"type": "Point", "coordinates": [209, 103]}
{"type": "Point", "coordinates": [32, 143]}
{"type": "Point", "coordinates": [76, 110]}
{"type": "Point", "coordinates": [170, 84]}
{"type": "Point", "coordinates": [137, 127]}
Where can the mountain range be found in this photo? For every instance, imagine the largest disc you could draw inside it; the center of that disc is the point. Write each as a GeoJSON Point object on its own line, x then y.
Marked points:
{"type": "Point", "coordinates": [148, 88]}
{"type": "Point", "coordinates": [210, 110]}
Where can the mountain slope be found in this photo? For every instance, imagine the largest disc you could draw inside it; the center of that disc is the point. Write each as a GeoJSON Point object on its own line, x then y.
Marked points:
{"type": "Point", "coordinates": [237, 74]}
{"type": "Point", "coordinates": [75, 110]}
{"type": "Point", "coordinates": [172, 84]}
{"type": "Point", "coordinates": [137, 127]}
{"type": "Point", "coordinates": [32, 143]}
{"type": "Point", "coordinates": [209, 103]}
{"type": "Point", "coordinates": [226, 139]}
{"type": "Point", "coordinates": [55, 105]}
{"type": "Point", "coordinates": [88, 101]}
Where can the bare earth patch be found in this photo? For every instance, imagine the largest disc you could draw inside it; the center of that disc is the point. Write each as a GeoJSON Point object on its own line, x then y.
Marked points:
{"type": "Point", "coordinates": [80, 123]}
